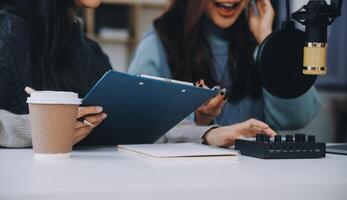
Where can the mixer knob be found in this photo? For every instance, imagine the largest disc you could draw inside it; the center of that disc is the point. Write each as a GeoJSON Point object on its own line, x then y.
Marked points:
{"type": "Point", "coordinates": [278, 138]}
{"type": "Point", "coordinates": [259, 137]}
{"type": "Point", "coordinates": [311, 138]}
{"type": "Point", "coordinates": [266, 138]}
{"type": "Point", "coordinates": [289, 138]}
{"type": "Point", "coordinates": [300, 137]}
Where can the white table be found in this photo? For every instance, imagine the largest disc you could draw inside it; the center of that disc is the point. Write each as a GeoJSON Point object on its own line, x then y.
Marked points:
{"type": "Point", "coordinates": [104, 173]}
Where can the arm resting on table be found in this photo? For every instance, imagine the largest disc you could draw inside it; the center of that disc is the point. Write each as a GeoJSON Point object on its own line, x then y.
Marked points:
{"type": "Point", "coordinates": [186, 131]}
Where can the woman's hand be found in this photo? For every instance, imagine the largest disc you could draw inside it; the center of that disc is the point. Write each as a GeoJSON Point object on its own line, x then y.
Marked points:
{"type": "Point", "coordinates": [212, 108]}
{"type": "Point", "coordinates": [261, 24]}
{"type": "Point", "coordinates": [94, 115]}
{"type": "Point", "coordinates": [225, 136]}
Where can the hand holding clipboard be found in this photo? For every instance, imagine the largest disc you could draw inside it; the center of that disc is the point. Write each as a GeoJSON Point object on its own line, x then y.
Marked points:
{"type": "Point", "coordinates": [212, 108]}
{"type": "Point", "coordinates": [141, 108]}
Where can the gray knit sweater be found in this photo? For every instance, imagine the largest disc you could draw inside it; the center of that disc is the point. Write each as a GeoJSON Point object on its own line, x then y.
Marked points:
{"type": "Point", "coordinates": [15, 130]}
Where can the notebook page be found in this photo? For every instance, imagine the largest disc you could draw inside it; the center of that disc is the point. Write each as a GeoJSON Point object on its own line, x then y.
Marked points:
{"type": "Point", "coordinates": [178, 150]}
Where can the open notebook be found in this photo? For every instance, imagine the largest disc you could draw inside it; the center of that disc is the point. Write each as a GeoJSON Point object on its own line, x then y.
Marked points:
{"type": "Point", "coordinates": [178, 150]}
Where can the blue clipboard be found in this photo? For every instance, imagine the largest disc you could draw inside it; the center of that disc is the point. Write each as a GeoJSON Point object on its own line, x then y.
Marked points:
{"type": "Point", "coordinates": [140, 110]}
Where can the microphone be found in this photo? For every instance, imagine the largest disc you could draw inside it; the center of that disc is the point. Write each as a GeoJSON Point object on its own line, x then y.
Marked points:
{"type": "Point", "coordinates": [316, 16]}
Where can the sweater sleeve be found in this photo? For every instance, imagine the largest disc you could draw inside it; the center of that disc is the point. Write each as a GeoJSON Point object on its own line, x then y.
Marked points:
{"type": "Point", "coordinates": [3, 85]}
{"type": "Point", "coordinates": [186, 131]}
{"type": "Point", "coordinates": [14, 64]}
{"type": "Point", "coordinates": [291, 114]}
{"type": "Point", "coordinates": [4, 60]}
{"type": "Point", "coordinates": [15, 130]}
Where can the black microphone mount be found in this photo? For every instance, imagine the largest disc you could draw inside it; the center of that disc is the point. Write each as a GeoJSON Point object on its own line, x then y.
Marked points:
{"type": "Point", "coordinates": [289, 59]}
{"type": "Point", "coordinates": [316, 16]}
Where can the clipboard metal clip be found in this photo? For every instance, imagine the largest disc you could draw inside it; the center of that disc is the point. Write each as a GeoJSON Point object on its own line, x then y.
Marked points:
{"type": "Point", "coordinates": [165, 79]}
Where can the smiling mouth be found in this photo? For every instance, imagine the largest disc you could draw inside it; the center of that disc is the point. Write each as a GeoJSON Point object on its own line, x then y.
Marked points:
{"type": "Point", "coordinates": [227, 6]}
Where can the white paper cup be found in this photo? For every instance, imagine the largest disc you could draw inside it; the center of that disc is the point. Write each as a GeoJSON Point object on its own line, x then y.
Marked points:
{"type": "Point", "coordinates": [53, 116]}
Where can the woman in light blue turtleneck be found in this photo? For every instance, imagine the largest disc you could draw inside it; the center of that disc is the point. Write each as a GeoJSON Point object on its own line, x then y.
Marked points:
{"type": "Point", "coordinates": [213, 41]}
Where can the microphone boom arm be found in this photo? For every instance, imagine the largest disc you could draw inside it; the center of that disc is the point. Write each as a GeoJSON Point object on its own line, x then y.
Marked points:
{"type": "Point", "coordinates": [327, 12]}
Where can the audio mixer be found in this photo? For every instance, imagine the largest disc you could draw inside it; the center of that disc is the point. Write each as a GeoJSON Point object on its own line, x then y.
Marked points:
{"type": "Point", "coordinates": [297, 146]}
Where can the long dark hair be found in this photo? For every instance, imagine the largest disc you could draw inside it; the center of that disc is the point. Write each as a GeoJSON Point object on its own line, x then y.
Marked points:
{"type": "Point", "coordinates": [51, 24]}
{"type": "Point", "coordinates": [189, 55]}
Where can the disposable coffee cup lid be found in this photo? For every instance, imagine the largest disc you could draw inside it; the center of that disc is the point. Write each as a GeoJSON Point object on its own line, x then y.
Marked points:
{"type": "Point", "coordinates": [54, 97]}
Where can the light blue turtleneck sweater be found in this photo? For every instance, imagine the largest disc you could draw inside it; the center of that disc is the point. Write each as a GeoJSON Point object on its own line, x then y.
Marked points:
{"type": "Point", "coordinates": [281, 114]}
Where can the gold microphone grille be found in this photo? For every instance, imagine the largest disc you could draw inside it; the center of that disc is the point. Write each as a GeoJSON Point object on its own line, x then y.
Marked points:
{"type": "Point", "coordinates": [315, 59]}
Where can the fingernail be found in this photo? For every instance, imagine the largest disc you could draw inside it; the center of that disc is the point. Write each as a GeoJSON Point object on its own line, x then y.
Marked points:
{"type": "Point", "coordinates": [99, 109]}
{"type": "Point", "coordinates": [216, 88]}
{"type": "Point", "coordinates": [103, 115]}
{"type": "Point", "coordinates": [223, 91]}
